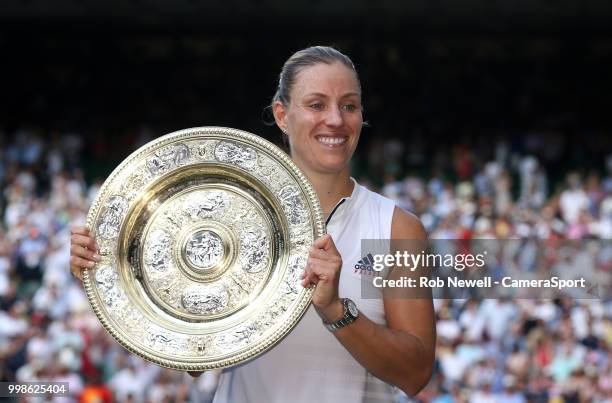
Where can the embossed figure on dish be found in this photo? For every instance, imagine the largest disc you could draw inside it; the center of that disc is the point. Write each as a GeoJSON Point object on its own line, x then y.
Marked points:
{"type": "Point", "coordinates": [198, 205]}
{"type": "Point", "coordinates": [204, 249]}
{"type": "Point", "coordinates": [157, 251]}
{"type": "Point", "coordinates": [115, 211]}
{"type": "Point", "coordinates": [205, 299]}
{"type": "Point", "coordinates": [167, 158]}
{"type": "Point", "coordinates": [292, 204]}
{"type": "Point", "coordinates": [230, 152]}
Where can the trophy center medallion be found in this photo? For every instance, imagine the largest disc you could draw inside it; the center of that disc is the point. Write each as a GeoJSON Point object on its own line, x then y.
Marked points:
{"type": "Point", "coordinates": [204, 249]}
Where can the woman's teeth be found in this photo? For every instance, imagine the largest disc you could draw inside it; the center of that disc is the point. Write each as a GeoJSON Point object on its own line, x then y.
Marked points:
{"type": "Point", "coordinates": [331, 140]}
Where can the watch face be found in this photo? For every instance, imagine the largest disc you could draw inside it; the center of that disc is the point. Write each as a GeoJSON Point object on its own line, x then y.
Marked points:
{"type": "Point", "coordinates": [352, 308]}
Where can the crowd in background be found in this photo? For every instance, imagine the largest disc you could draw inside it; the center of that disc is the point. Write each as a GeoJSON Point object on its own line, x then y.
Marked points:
{"type": "Point", "coordinates": [494, 350]}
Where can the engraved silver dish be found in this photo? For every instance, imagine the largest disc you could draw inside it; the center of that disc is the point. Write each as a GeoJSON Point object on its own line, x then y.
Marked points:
{"type": "Point", "coordinates": [203, 236]}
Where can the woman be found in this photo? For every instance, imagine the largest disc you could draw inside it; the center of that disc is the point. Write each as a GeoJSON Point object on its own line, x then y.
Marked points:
{"type": "Point", "coordinates": [335, 354]}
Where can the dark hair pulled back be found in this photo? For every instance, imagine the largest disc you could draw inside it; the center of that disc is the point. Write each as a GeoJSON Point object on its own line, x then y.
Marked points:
{"type": "Point", "coordinates": [306, 58]}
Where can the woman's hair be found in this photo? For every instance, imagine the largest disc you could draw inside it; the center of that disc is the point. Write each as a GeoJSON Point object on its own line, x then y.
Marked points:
{"type": "Point", "coordinates": [306, 58]}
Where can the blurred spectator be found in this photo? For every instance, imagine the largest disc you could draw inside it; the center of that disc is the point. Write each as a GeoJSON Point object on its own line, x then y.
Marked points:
{"type": "Point", "coordinates": [573, 200]}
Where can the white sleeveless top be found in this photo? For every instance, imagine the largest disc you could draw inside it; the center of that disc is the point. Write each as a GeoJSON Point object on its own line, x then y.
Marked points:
{"type": "Point", "coordinates": [310, 364]}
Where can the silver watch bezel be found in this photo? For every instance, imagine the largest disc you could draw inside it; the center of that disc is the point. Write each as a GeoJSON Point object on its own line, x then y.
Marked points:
{"type": "Point", "coordinates": [350, 314]}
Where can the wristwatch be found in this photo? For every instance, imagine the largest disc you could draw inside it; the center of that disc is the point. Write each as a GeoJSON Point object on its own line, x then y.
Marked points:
{"type": "Point", "coordinates": [350, 315]}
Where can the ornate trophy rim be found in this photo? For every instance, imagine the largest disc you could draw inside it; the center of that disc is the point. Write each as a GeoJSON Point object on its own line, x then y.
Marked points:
{"type": "Point", "coordinates": [302, 301]}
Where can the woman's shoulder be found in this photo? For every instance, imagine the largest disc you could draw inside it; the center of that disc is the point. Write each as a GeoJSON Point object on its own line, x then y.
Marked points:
{"type": "Point", "coordinates": [404, 225]}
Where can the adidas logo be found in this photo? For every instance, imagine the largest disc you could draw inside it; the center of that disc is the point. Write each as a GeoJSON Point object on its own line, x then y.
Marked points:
{"type": "Point", "coordinates": [365, 265]}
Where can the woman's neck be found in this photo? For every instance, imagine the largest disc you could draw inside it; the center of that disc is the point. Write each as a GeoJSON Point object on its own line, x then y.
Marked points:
{"type": "Point", "coordinates": [331, 188]}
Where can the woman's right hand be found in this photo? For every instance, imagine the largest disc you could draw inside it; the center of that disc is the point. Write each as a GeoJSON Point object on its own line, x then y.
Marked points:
{"type": "Point", "coordinates": [83, 250]}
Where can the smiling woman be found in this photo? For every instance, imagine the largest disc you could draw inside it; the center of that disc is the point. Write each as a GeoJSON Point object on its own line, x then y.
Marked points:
{"type": "Point", "coordinates": [347, 348]}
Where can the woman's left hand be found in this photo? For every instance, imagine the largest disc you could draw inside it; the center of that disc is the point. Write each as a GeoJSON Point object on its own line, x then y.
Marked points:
{"type": "Point", "coordinates": [323, 270]}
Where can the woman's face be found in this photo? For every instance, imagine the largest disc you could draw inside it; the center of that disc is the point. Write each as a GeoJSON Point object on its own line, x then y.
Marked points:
{"type": "Point", "coordinates": [324, 117]}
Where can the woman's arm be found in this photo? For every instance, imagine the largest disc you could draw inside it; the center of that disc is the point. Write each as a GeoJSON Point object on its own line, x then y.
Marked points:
{"type": "Point", "coordinates": [401, 353]}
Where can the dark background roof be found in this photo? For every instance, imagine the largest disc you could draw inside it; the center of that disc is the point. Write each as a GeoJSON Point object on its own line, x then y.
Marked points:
{"type": "Point", "coordinates": [307, 15]}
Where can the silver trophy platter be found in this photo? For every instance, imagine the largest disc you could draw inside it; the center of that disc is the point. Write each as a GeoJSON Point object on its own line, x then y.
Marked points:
{"type": "Point", "coordinates": [203, 235]}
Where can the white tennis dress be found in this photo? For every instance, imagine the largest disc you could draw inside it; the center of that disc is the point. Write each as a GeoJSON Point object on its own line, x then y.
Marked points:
{"type": "Point", "coordinates": [310, 365]}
